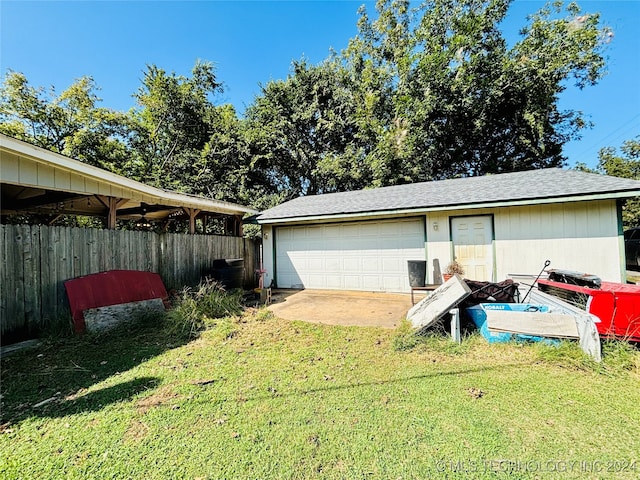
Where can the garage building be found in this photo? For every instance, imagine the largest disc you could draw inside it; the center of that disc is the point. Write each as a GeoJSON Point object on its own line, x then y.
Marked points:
{"type": "Point", "coordinates": [493, 225]}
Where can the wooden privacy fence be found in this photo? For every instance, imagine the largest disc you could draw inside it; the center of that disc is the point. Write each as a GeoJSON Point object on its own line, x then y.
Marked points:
{"type": "Point", "coordinates": [36, 260]}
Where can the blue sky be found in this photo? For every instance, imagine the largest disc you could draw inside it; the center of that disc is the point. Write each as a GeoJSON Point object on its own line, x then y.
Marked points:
{"type": "Point", "coordinates": [252, 42]}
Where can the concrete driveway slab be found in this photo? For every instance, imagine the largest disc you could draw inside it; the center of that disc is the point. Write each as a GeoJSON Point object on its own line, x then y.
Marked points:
{"type": "Point", "coordinates": [348, 308]}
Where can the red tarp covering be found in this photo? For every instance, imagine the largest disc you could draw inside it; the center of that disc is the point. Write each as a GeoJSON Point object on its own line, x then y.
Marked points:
{"type": "Point", "coordinates": [111, 288]}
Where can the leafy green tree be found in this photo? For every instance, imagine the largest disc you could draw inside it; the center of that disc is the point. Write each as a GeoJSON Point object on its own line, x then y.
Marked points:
{"type": "Point", "coordinates": [419, 94]}
{"type": "Point", "coordinates": [625, 165]}
{"type": "Point", "coordinates": [303, 132]}
{"type": "Point", "coordinates": [173, 123]}
{"type": "Point", "coordinates": [462, 102]}
{"type": "Point", "coordinates": [183, 141]}
{"type": "Point", "coordinates": [428, 93]}
{"type": "Point", "coordinates": [226, 172]}
{"type": "Point", "coordinates": [177, 137]}
{"type": "Point", "coordinates": [70, 123]}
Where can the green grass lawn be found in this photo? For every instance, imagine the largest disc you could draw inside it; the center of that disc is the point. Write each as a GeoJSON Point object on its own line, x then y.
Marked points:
{"type": "Point", "coordinates": [259, 397]}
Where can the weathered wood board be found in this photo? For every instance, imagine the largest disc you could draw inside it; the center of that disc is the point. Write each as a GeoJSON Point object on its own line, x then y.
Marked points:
{"type": "Point", "coordinates": [426, 312]}
{"type": "Point", "coordinates": [7, 350]}
{"type": "Point", "coordinates": [554, 325]}
{"type": "Point", "coordinates": [103, 318]}
{"type": "Point", "coordinates": [585, 322]}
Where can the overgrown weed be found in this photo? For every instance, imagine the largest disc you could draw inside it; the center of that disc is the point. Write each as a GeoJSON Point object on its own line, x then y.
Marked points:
{"type": "Point", "coordinates": [566, 354]}
{"type": "Point", "coordinates": [60, 326]}
{"type": "Point", "coordinates": [194, 308]}
{"type": "Point", "coordinates": [620, 356]}
{"type": "Point", "coordinates": [405, 338]}
{"type": "Point", "coordinates": [436, 339]}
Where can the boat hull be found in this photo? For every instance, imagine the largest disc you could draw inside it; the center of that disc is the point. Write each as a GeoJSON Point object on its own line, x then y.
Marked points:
{"type": "Point", "coordinates": [486, 316]}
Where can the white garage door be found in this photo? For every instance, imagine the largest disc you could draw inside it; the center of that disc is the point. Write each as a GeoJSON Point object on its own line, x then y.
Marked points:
{"type": "Point", "coordinates": [370, 256]}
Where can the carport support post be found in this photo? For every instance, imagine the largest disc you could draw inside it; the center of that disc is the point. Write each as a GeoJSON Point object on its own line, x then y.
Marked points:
{"type": "Point", "coordinates": [455, 324]}
{"type": "Point", "coordinates": [112, 204]}
{"type": "Point", "coordinates": [192, 212]}
{"type": "Point", "coordinates": [112, 217]}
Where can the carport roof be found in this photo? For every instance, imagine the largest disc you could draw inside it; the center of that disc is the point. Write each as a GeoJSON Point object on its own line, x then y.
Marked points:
{"type": "Point", "coordinates": [519, 188]}
{"type": "Point", "coordinates": [34, 180]}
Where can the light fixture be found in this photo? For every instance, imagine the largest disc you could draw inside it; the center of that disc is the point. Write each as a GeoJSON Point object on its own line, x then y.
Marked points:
{"type": "Point", "coordinates": [435, 226]}
{"type": "Point", "coordinates": [143, 222]}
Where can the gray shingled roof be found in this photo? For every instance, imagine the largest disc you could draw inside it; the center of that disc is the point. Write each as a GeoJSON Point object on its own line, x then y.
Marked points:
{"type": "Point", "coordinates": [507, 187]}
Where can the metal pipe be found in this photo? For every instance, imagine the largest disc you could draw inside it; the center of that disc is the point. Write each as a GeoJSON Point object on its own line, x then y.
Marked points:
{"type": "Point", "coordinates": [546, 264]}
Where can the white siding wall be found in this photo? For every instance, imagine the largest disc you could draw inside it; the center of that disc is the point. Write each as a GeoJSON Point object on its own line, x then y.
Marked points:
{"type": "Point", "coordinates": [25, 171]}
{"type": "Point", "coordinates": [267, 254]}
{"type": "Point", "coordinates": [580, 236]}
{"type": "Point", "coordinates": [438, 241]}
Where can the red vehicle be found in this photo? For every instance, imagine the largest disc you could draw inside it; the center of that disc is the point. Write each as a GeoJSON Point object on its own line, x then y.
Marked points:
{"type": "Point", "coordinates": [617, 305]}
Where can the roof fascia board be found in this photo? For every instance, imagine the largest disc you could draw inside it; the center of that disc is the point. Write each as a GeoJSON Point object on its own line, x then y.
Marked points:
{"type": "Point", "coordinates": [342, 216]}
{"type": "Point", "coordinates": [425, 210]}
{"type": "Point", "coordinates": [42, 155]}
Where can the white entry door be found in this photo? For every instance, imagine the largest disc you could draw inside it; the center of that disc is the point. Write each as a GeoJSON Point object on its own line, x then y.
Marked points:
{"type": "Point", "coordinates": [473, 246]}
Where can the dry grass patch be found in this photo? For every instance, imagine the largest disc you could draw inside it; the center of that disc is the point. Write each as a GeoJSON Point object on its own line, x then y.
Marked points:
{"type": "Point", "coordinates": [136, 432]}
{"type": "Point", "coordinates": [163, 396]}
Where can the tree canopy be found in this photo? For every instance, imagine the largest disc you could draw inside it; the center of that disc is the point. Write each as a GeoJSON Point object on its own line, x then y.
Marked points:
{"type": "Point", "coordinates": [457, 100]}
{"type": "Point", "coordinates": [305, 131]}
{"type": "Point", "coordinates": [69, 123]}
{"type": "Point", "coordinates": [624, 164]}
{"type": "Point", "coordinates": [420, 93]}
{"type": "Point", "coordinates": [429, 93]}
